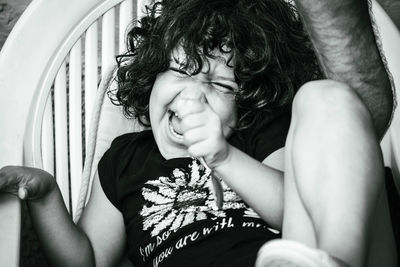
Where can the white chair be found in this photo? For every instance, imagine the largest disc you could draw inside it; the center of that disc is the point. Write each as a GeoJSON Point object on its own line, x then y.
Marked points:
{"type": "Point", "coordinates": [50, 65]}
{"type": "Point", "coordinates": [71, 39]}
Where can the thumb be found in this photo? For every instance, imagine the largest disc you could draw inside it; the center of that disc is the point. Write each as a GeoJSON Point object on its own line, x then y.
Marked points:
{"type": "Point", "coordinates": [191, 93]}
{"type": "Point", "coordinates": [22, 193]}
{"type": "Point", "coordinates": [28, 191]}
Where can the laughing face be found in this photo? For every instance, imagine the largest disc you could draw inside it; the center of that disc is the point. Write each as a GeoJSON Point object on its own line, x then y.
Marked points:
{"type": "Point", "coordinates": [213, 86]}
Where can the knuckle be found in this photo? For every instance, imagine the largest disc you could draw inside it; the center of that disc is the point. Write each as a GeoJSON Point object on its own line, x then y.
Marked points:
{"type": "Point", "coordinates": [186, 139]}
{"type": "Point", "coordinates": [186, 123]}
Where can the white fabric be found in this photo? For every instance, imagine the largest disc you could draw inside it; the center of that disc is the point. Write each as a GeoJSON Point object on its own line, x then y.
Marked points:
{"type": "Point", "coordinates": [107, 123]}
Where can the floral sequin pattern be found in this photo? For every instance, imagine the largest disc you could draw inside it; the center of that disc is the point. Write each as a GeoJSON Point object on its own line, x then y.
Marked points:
{"type": "Point", "coordinates": [183, 198]}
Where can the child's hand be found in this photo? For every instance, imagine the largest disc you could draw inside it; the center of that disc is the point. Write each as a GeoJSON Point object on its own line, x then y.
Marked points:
{"type": "Point", "coordinates": [25, 182]}
{"type": "Point", "coordinates": [202, 128]}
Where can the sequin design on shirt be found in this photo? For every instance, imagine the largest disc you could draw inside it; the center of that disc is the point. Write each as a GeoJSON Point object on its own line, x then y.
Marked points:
{"type": "Point", "coordinates": [183, 198]}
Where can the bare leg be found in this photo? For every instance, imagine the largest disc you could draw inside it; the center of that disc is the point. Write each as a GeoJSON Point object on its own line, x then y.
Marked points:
{"type": "Point", "coordinates": [334, 172]}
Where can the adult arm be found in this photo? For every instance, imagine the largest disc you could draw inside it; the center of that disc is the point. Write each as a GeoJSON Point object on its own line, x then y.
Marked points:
{"type": "Point", "coordinates": [104, 225]}
{"type": "Point", "coordinates": [65, 243]}
{"type": "Point", "coordinates": [344, 40]}
{"type": "Point", "coordinates": [97, 240]}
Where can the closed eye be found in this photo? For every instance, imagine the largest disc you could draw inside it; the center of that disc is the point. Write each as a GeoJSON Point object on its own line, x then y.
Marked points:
{"type": "Point", "coordinates": [223, 87]}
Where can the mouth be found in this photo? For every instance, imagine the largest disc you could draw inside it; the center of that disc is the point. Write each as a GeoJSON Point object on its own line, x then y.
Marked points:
{"type": "Point", "coordinates": [174, 124]}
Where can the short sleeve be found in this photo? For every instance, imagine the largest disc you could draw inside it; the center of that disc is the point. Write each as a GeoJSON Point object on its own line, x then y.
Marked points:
{"type": "Point", "coordinates": [108, 167]}
{"type": "Point", "coordinates": [265, 136]}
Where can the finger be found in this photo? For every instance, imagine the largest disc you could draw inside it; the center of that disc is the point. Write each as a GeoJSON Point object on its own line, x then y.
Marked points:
{"type": "Point", "coordinates": [213, 152]}
{"type": "Point", "coordinates": [34, 188]}
{"type": "Point", "coordinates": [194, 135]}
{"type": "Point", "coordinates": [198, 149]}
{"type": "Point", "coordinates": [207, 148]}
{"type": "Point", "coordinates": [193, 93]}
{"type": "Point", "coordinates": [185, 107]}
{"type": "Point", "coordinates": [193, 121]}
{"type": "Point", "coordinates": [9, 179]}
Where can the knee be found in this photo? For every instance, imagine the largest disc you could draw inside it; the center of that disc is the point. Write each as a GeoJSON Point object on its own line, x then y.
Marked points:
{"type": "Point", "coordinates": [329, 99]}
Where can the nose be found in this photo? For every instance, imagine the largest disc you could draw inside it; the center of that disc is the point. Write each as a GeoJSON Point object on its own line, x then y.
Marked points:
{"type": "Point", "coordinates": [193, 93]}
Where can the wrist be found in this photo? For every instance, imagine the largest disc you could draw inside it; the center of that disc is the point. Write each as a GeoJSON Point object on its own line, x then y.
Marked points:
{"type": "Point", "coordinates": [224, 158]}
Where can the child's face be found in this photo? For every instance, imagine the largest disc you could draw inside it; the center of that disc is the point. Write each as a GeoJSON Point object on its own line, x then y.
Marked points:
{"type": "Point", "coordinates": [213, 86]}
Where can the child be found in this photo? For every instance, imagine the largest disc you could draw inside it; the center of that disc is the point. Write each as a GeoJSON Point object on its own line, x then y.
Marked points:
{"type": "Point", "coordinates": [217, 94]}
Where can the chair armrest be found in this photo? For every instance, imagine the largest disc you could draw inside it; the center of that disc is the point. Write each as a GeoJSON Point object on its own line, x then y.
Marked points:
{"type": "Point", "coordinates": [10, 230]}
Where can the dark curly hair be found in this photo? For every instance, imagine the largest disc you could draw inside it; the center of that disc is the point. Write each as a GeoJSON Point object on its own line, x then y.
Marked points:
{"type": "Point", "coordinates": [270, 51]}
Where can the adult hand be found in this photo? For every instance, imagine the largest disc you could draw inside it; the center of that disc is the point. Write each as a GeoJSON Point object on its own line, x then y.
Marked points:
{"type": "Point", "coordinates": [26, 183]}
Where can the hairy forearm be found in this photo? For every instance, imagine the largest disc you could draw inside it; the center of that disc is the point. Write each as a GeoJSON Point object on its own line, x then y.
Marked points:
{"type": "Point", "coordinates": [63, 242]}
{"type": "Point", "coordinates": [257, 184]}
{"type": "Point", "coordinates": [344, 40]}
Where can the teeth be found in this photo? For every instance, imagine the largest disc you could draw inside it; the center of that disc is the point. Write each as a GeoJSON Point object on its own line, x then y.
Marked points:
{"type": "Point", "coordinates": [177, 135]}
{"type": "Point", "coordinates": [171, 128]}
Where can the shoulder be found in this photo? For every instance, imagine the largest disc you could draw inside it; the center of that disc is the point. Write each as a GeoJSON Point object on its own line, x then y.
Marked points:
{"type": "Point", "coordinates": [126, 151]}
{"type": "Point", "coordinates": [129, 138]}
{"type": "Point", "coordinates": [123, 148]}
{"type": "Point", "coordinates": [130, 142]}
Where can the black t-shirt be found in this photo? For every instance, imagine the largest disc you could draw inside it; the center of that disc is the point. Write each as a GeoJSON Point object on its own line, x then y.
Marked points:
{"type": "Point", "coordinates": [169, 210]}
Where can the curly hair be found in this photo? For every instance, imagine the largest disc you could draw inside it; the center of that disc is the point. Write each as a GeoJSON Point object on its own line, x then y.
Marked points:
{"type": "Point", "coordinates": [271, 53]}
